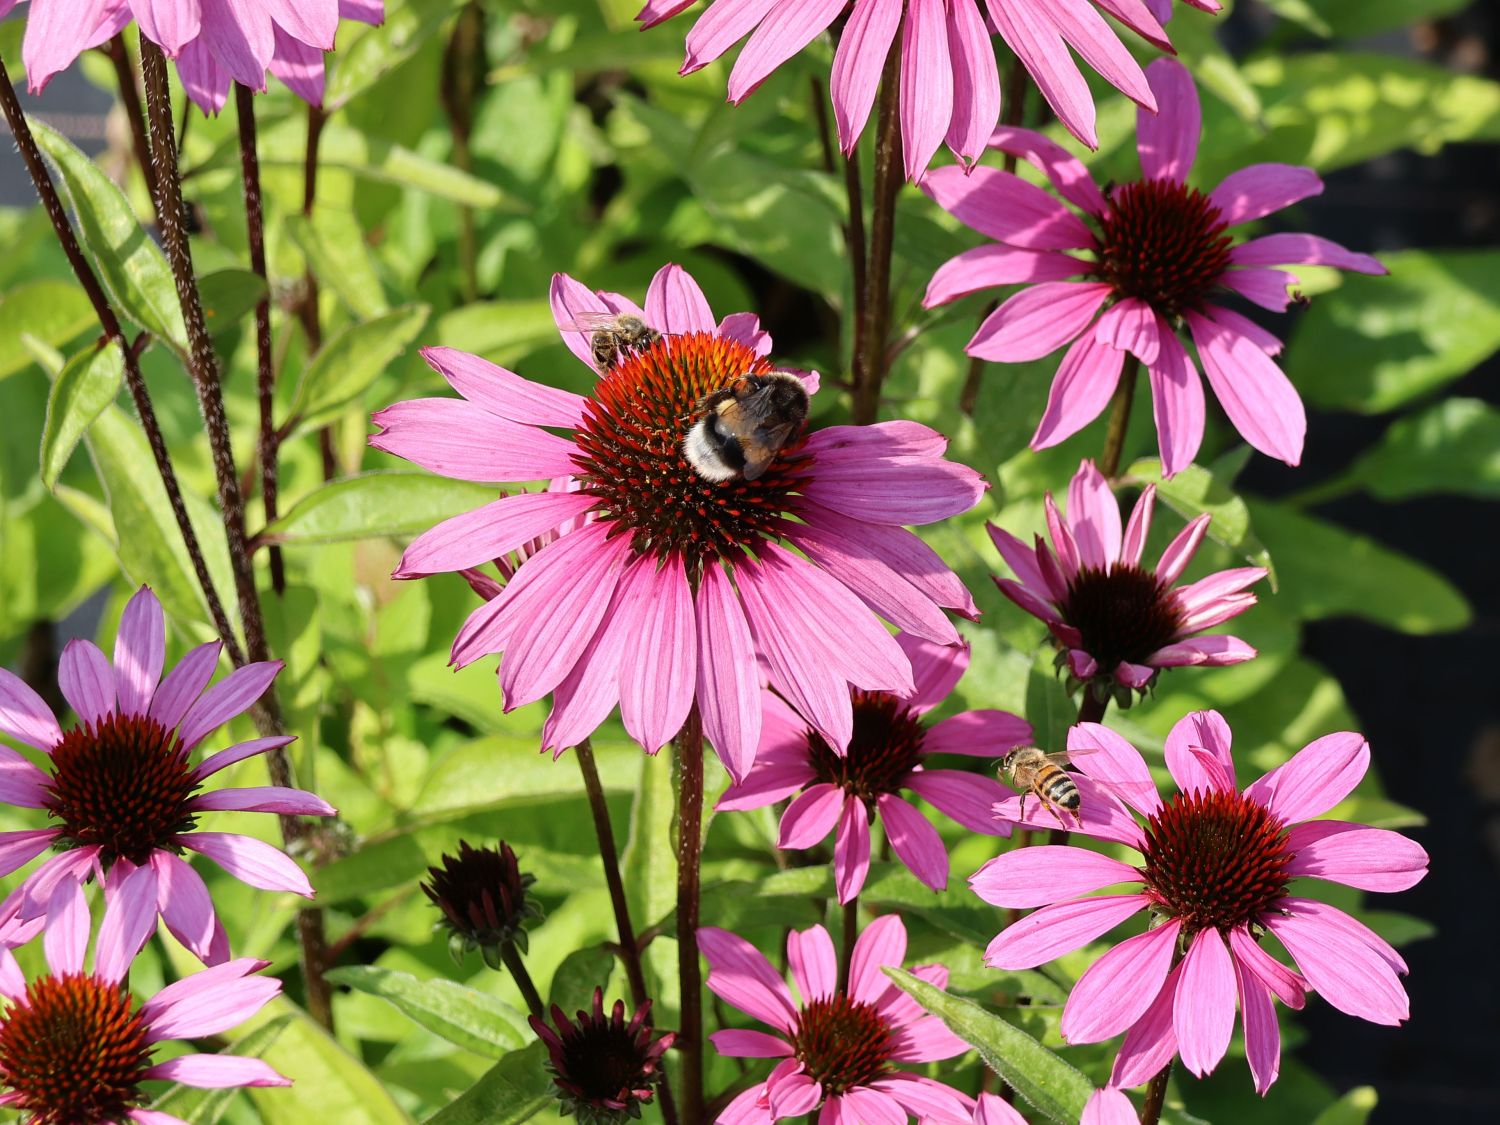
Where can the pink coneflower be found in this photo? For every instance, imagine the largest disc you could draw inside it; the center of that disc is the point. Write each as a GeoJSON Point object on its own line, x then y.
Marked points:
{"type": "Point", "coordinates": [75, 1046]}
{"type": "Point", "coordinates": [213, 41]}
{"type": "Point", "coordinates": [663, 598]}
{"type": "Point", "coordinates": [603, 1068]}
{"type": "Point", "coordinates": [886, 754]}
{"type": "Point", "coordinates": [1160, 260]}
{"type": "Point", "coordinates": [121, 791]}
{"type": "Point", "coordinates": [949, 83]}
{"type": "Point", "coordinates": [1116, 623]}
{"type": "Point", "coordinates": [838, 1050]}
{"type": "Point", "coordinates": [1214, 873]}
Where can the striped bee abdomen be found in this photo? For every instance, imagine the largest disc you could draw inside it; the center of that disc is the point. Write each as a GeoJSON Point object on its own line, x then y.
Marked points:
{"type": "Point", "coordinates": [1058, 787]}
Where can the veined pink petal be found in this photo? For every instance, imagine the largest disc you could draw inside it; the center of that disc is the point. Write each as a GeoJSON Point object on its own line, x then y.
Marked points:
{"type": "Point", "coordinates": [1133, 675]}
{"type": "Point", "coordinates": [1331, 916]}
{"type": "Point", "coordinates": [86, 681]}
{"type": "Point", "coordinates": [1259, 399]}
{"type": "Point", "coordinates": [992, 1111]}
{"type": "Point", "coordinates": [656, 11]}
{"type": "Point", "coordinates": [455, 438]}
{"type": "Point", "coordinates": [925, 1098]}
{"type": "Point", "coordinates": [844, 444]}
{"type": "Point", "coordinates": [1107, 1106]}
{"type": "Point", "coordinates": [187, 909]}
{"type": "Point", "coordinates": [994, 264]}
{"type": "Point", "coordinates": [1038, 320]}
{"type": "Point", "coordinates": [915, 841]}
{"type": "Point", "coordinates": [746, 1044]}
{"type": "Point", "coordinates": [235, 694]}
{"type": "Point", "coordinates": [1093, 517]}
{"type": "Point", "coordinates": [1067, 172]}
{"type": "Point", "coordinates": [1052, 931]}
{"type": "Point", "coordinates": [1035, 41]}
{"type": "Point", "coordinates": [66, 938]}
{"type": "Point", "coordinates": [129, 920]}
{"type": "Point", "coordinates": [1210, 591]}
{"type": "Point", "coordinates": [935, 669]}
{"type": "Point", "coordinates": [881, 943]}
{"type": "Point", "coordinates": [1138, 527]}
{"type": "Point", "coordinates": [1284, 984]}
{"type": "Point", "coordinates": [1372, 859]}
{"type": "Point", "coordinates": [1108, 759]}
{"type": "Point", "coordinates": [1259, 189]}
{"type": "Point", "coordinates": [20, 848]}
{"type": "Point", "coordinates": [851, 850]}
{"type": "Point", "coordinates": [926, 83]}
{"type": "Point", "coordinates": [1174, 560]}
{"type": "Point", "coordinates": [814, 964]}
{"type": "Point", "coordinates": [794, 1095]}
{"type": "Point", "coordinates": [746, 1109]}
{"type": "Point", "coordinates": [976, 81]}
{"type": "Point", "coordinates": [1350, 975]}
{"type": "Point", "coordinates": [1213, 652]}
{"type": "Point", "coordinates": [1028, 601]}
{"type": "Point", "coordinates": [1216, 612]}
{"type": "Point", "coordinates": [978, 734]}
{"type": "Point", "coordinates": [1023, 561]}
{"type": "Point", "coordinates": [745, 328]}
{"type": "Point", "coordinates": [858, 62]}
{"type": "Point", "coordinates": [21, 783]}
{"type": "Point", "coordinates": [720, 27]}
{"type": "Point", "coordinates": [1197, 753]}
{"type": "Point", "coordinates": [264, 798]}
{"type": "Point", "coordinates": [675, 304]}
{"type": "Point", "coordinates": [1081, 389]}
{"type": "Point", "coordinates": [1244, 326]}
{"type": "Point", "coordinates": [298, 66]}
{"type": "Point", "coordinates": [1006, 208]}
{"type": "Point", "coordinates": [727, 689]}
{"type": "Point", "coordinates": [789, 26]}
{"type": "Point", "coordinates": [315, 24]}
{"type": "Point", "coordinates": [968, 798]}
{"type": "Point", "coordinates": [656, 687]}
{"type": "Point", "coordinates": [1270, 289]}
{"type": "Point", "coordinates": [890, 485]}
{"type": "Point", "coordinates": [1147, 17]}
{"type": "Point", "coordinates": [571, 299]}
{"type": "Point", "coordinates": [1117, 989]}
{"type": "Point", "coordinates": [489, 532]}
{"type": "Point", "coordinates": [590, 691]}
{"type": "Point", "coordinates": [812, 816]}
{"type": "Point", "coordinates": [1203, 1016]}
{"type": "Point", "coordinates": [1262, 1033]}
{"type": "Point", "coordinates": [209, 1002]}
{"type": "Point", "coordinates": [1040, 876]}
{"type": "Point", "coordinates": [740, 975]}
{"type": "Point", "coordinates": [1302, 249]}
{"type": "Point", "coordinates": [1150, 1043]}
{"type": "Point", "coordinates": [1316, 778]}
{"type": "Point", "coordinates": [1176, 402]}
{"type": "Point", "coordinates": [250, 861]}
{"type": "Point", "coordinates": [12, 979]}
{"type": "Point", "coordinates": [24, 715]}
{"type": "Point", "coordinates": [1086, 32]}
{"type": "Point", "coordinates": [766, 785]}
{"type": "Point", "coordinates": [184, 683]}
{"type": "Point", "coordinates": [873, 1106]}
{"type": "Point", "coordinates": [217, 1072]}
{"type": "Point", "coordinates": [140, 651]}
{"type": "Point", "coordinates": [168, 23]}
{"type": "Point", "coordinates": [1168, 139]}
{"type": "Point", "coordinates": [242, 40]}
{"type": "Point", "coordinates": [504, 393]}
{"type": "Point", "coordinates": [1131, 326]}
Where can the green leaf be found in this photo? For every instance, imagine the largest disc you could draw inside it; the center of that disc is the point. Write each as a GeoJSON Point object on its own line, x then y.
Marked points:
{"type": "Point", "coordinates": [377, 504]}
{"type": "Point", "coordinates": [1354, 1108]}
{"type": "Point", "coordinates": [1452, 446]}
{"type": "Point", "coordinates": [582, 971]}
{"type": "Point", "coordinates": [515, 1089]}
{"type": "Point", "coordinates": [1377, 343]}
{"type": "Point", "coordinates": [228, 296]}
{"type": "Point", "coordinates": [1329, 572]}
{"type": "Point", "coordinates": [1041, 1077]}
{"type": "Point", "coordinates": [54, 312]}
{"type": "Point", "coordinates": [473, 1020]}
{"type": "Point", "coordinates": [359, 65]}
{"type": "Point", "coordinates": [1301, 12]}
{"type": "Point", "coordinates": [350, 362]}
{"type": "Point", "coordinates": [205, 1107]}
{"type": "Point", "coordinates": [129, 264]}
{"type": "Point", "coordinates": [88, 384]}
{"type": "Point", "coordinates": [335, 249]}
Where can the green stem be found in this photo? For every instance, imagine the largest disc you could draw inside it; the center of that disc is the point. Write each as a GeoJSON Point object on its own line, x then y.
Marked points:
{"type": "Point", "coordinates": [512, 958]}
{"type": "Point", "coordinates": [689, 859]}
{"type": "Point", "coordinates": [1119, 419]}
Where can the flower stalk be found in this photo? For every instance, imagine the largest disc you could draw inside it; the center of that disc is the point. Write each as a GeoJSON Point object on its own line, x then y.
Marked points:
{"type": "Point", "coordinates": [875, 308]}
{"type": "Point", "coordinates": [1119, 419]}
{"type": "Point", "coordinates": [689, 859]}
{"type": "Point", "coordinates": [135, 114]}
{"type": "Point", "coordinates": [1156, 1096]}
{"type": "Point", "coordinates": [846, 943]}
{"type": "Point", "coordinates": [517, 967]}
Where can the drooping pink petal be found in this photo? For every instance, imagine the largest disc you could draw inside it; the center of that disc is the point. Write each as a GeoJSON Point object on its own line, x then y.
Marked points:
{"type": "Point", "coordinates": [655, 11]}
{"type": "Point", "coordinates": [1116, 990]}
{"type": "Point", "coordinates": [891, 485]}
{"type": "Point", "coordinates": [243, 41]}
{"type": "Point", "coordinates": [1103, 815]}
{"type": "Point", "coordinates": [1334, 918]}
{"type": "Point", "coordinates": [208, 1002]}
{"type": "Point", "coordinates": [1262, 1033]}
{"type": "Point", "coordinates": [858, 62]}
{"type": "Point", "coordinates": [795, 1093]}
{"type": "Point", "coordinates": [315, 24]}
{"type": "Point", "coordinates": [66, 938]}
{"type": "Point", "coordinates": [20, 848]}
{"type": "Point", "coordinates": [1197, 753]}
{"type": "Point", "coordinates": [881, 943]}
{"type": "Point", "coordinates": [737, 1043]}
{"type": "Point", "coordinates": [184, 683]}
{"type": "Point", "coordinates": [968, 798]}
{"type": "Point", "coordinates": [926, 89]}
{"type": "Point", "coordinates": [789, 26]}
{"type": "Point", "coordinates": [1052, 931]}
{"type": "Point", "coordinates": [1211, 652]}
{"type": "Point", "coordinates": [1316, 778]}
{"type": "Point", "coordinates": [1006, 208]}
{"type": "Point", "coordinates": [992, 1111]}
{"type": "Point", "coordinates": [188, 911]}
{"type": "Point", "coordinates": [140, 651]}
{"type": "Point", "coordinates": [994, 264]}
{"type": "Point", "coordinates": [1150, 1043]}
{"type": "Point", "coordinates": [656, 687]}
{"type": "Point", "coordinates": [935, 670]}
{"type": "Point", "coordinates": [12, 979]}
{"type": "Point", "coordinates": [1028, 601]}
{"type": "Point", "coordinates": [168, 23]}
{"type": "Point", "coordinates": [1176, 403]}
{"type": "Point", "coordinates": [1347, 973]}
{"type": "Point", "coordinates": [1038, 320]}
{"type": "Point", "coordinates": [1093, 517]}
{"type": "Point", "coordinates": [250, 861]}
{"type": "Point", "coordinates": [1066, 171]}
{"type": "Point", "coordinates": [1232, 321]}
{"type": "Point", "coordinates": [1168, 139]}
{"type": "Point", "coordinates": [217, 1072]}
{"type": "Point", "coordinates": [263, 798]}
{"type": "Point", "coordinates": [1107, 758]}
{"type": "Point", "coordinates": [24, 715]}
{"type": "Point", "coordinates": [1045, 55]}
{"type": "Point", "coordinates": [1287, 986]}
{"type": "Point", "coordinates": [873, 1106]}
{"type": "Point", "coordinates": [727, 692]}
{"type": "Point", "coordinates": [21, 783]}
{"type": "Point", "coordinates": [814, 964]}
{"type": "Point", "coordinates": [978, 734]}
{"type": "Point", "coordinates": [1302, 249]}
{"type": "Point", "coordinates": [1372, 859]}
{"type": "Point", "coordinates": [851, 850]}
{"type": "Point", "coordinates": [504, 393]}
{"type": "Point", "coordinates": [299, 67]}
{"type": "Point", "coordinates": [1086, 32]}
{"type": "Point", "coordinates": [129, 920]}
{"type": "Point", "coordinates": [675, 304]}
{"type": "Point", "coordinates": [765, 785]}
{"type": "Point", "coordinates": [1259, 399]}
{"type": "Point", "coordinates": [572, 302]}
{"type": "Point", "coordinates": [915, 841]}
{"type": "Point", "coordinates": [1131, 326]}
{"type": "Point", "coordinates": [86, 681]}
{"type": "Point", "coordinates": [231, 696]}
{"type": "Point", "coordinates": [811, 816]}
{"type": "Point", "coordinates": [455, 438]}
{"type": "Point", "coordinates": [976, 81]}
{"type": "Point", "coordinates": [1081, 389]}
{"type": "Point", "coordinates": [740, 975]}
{"type": "Point", "coordinates": [1040, 876]}
{"type": "Point", "coordinates": [925, 1098]}
{"type": "Point", "coordinates": [1107, 1106]}
{"type": "Point", "coordinates": [239, 752]}
{"type": "Point", "coordinates": [1203, 1016]}
{"type": "Point", "coordinates": [1255, 191]}
{"type": "Point", "coordinates": [1270, 289]}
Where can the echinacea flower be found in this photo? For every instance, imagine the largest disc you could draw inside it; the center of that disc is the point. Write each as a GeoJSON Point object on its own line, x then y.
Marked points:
{"type": "Point", "coordinates": [949, 82]}
{"type": "Point", "coordinates": [1117, 623]}
{"type": "Point", "coordinates": [76, 1047]}
{"type": "Point", "coordinates": [213, 41]}
{"type": "Point", "coordinates": [120, 789]}
{"type": "Point", "coordinates": [1160, 261]}
{"type": "Point", "coordinates": [887, 753]}
{"type": "Point", "coordinates": [1105, 1107]}
{"type": "Point", "coordinates": [603, 1068]}
{"type": "Point", "coordinates": [482, 894]}
{"type": "Point", "coordinates": [1216, 864]}
{"type": "Point", "coordinates": [837, 1049]}
{"type": "Point", "coordinates": [662, 599]}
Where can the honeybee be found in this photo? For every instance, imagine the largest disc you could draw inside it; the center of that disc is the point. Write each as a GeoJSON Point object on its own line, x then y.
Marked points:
{"type": "Point", "coordinates": [1042, 775]}
{"type": "Point", "coordinates": [740, 429]}
{"type": "Point", "coordinates": [613, 336]}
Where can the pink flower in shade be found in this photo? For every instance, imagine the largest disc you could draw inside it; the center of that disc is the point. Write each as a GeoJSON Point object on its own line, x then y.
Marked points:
{"type": "Point", "coordinates": [1115, 622]}
{"type": "Point", "coordinates": [837, 1050]}
{"type": "Point", "coordinates": [663, 599]}
{"type": "Point", "coordinates": [121, 792]}
{"type": "Point", "coordinates": [887, 754]}
{"type": "Point", "coordinates": [74, 1044]}
{"type": "Point", "coordinates": [1216, 864]}
{"type": "Point", "coordinates": [1160, 260]}
{"type": "Point", "coordinates": [1104, 1107]}
{"type": "Point", "coordinates": [213, 41]}
{"type": "Point", "coordinates": [949, 83]}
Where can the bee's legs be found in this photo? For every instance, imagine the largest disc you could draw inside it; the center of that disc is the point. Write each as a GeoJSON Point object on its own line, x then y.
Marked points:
{"type": "Point", "coordinates": [1053, 809]}
{"type": "Point", "coordinates": [1023, 806]}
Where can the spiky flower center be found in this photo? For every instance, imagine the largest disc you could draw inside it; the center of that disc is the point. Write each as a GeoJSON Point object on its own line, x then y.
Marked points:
{"type": "Point", "coordinates": [1122, 613]}
{"type": "Point", "coordinates": [1164, 243]}
{"type": "Point", "coordinates": [124, 785]}
{"type": "Point", "coordinates": [74, 1051]}
{"type": "Point", "coordinates": [631, 454]}
{"type": "Point", "coordinates": [842, 1043]}
{"type": "Point", "coordinates": [885, 747]}
{"type": "Point", "coordinates": [1215, 859]}
{"type": "Point", "coordinates": [604, 1068]}
{"type": "Point", "coordinates": [482, 894]}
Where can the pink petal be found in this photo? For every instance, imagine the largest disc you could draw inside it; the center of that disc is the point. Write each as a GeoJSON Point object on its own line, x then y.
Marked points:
{"type": "Point", "coordinates": [935, 669]}
{"type": "Point", "coordinates": [1176, 403]}
{"type": "Point", "coordinates": [1084, 384]}
{"type": "Point", "coordinates": [745, 1044]}
{"type": "Point", "coordinates": [814, 965]}
{"type": "Point", "coordinates": [1107, 758]}
{"type": "Point", "coordinates": [1197, 753]}
{"type": "Point", "coordinates": [1138, 527]}
{"type": "Point", "coordinates": [851, 850]}
{"type": "Point", "coordinates": [915, 841]}
{"type": "Point", "coordinates": [129, 920]}
{"type": "Point", "coordinates": [217, 1072]}
{"type": "Point", "coordinates": [1151, 1043]}
{"type": "Point", "coordinates": [675, 304]}
{"type": "Point", "coordinates": [978, 734]}
{"type": "Point", "coordinates": [235, 694]}
{"type": "Point", "coordinates": [727, 689]}
{"type": "Point", "coordinates": [1372, 859]}
{"type": "Point", "coordinates": [744, 327]}
{"type": "Point", "coordinates": [1087, 33]}
{"type": "Point", "coordinates": [1174, 560]}
{"type": "Point", "coordinates": [923, 1097]}
{"type": "Point", "coordinates": [250, 861]}
{"type": "Point", "coordinates": [1107, 1107]}
{"type": "Point", "coordinates": [184, 683]}
{"type": "Point", "coordinates": [209, 1002]}
{"type": "Point", "coordinates": [656, 687]}
{"type": "Point", "coordinates": [968, 798]}
{"type": "Point", "coordinates": [1232, 321]}
{"type": "Point", "coordinates": [1267, 288]}
{"type": "Point", "coordinates": [1347, 973]}
{"type": "Point", "coordinates": [1334, 918]}
{"type": "Point", "coordinates": [171, 24]}
{"type": "Point", "coordinates": [1093, 517]}
{"type": "Point", "coordinates": [457, 439]}
{"type": "Point", "coordinates": [238, 753]}
{"type": "Point", "coordinates": [1302, 249]}
{"type": "Point", "coordinates": [140, 651]}
{"type": "Point", "coordinates": [881, 943]}
{"type": "Point", "coordinates": [183, 899]}
{"type": "Point", "coordinates": [926, 84]}
{"type": "Point", "coordinates": [811, 816]}
{"type": "Point", "coordinates": [858, 62]}
{"type": "Point", "coordinates": [1006, 208]}
{"type": "Point", "coordinates": [86, 681]}
{"type": "Point", "coordinates": [1168, 139]}
{"type": "Point", "coordinates": [1211, 652]}
{"type": "Point", "coordinates": [976, 81]}
{"type": "Point", "coordinates": [992, 1111]}
{"type": "Point", "coordinates": [1117, 989]}
{"type": "Point", "coordinates": [1203, 1016]}
{"type": "Point", "coordinates": [21, 783]}
{"type": "Point", "coordinates": [873, 1107]}
{"type": "Point", "coordinates": [788, 27]}
{"type": "Point", "coordinates": [20, 848]}
{"type": "Point", "coordinates": [1037, 321]}
{"type": "Point", "coordinates": [243, 41]}
{"type": "Point", "coordinates": [571, 299]}
{"type": "Point", "coordinates": [1028, 601]}
{"type": "Point", "coordinates": [994, 264]}
{"type": "Point", "coordinates": [655, 11]}
{"type": "Point", "coordinates": [24, 716]}
{"type": "Point", "coordinates": [740, 975]}
{"type": "Point", "coordinates": [504, 393]}
{"type": "Point", "coordinates": [1259, 399]}
{"type": "Point", "coordinates": [1103, 816]}
{"type": "Point", "coordinates": [298, 66]}
{"type": "Point", "coordinates": [766, 785]}
{"type": "Point", "coordinates": [1287, 986]}
{"type": "Point", "coordinates": [720, 27]}
{"type": "Point", "coordinates": [894, 481]}
{"type": "Point", "coordinates": [1052, 931]}
{"type": "Point", "coordinates": [264, 798]}
{"type": "Point", "coordinates": [796, 1094]}
{"type": "Point", "coordinates": [1259, 189]}
{"type": "Point", "coordinates": [1262, 1033]}
{"type": "Point", "coordinates": [313, 23]}
{"type": "Point", "coordinates": [1042, 875]}
{"type": "Point", "coordinates": [66, 938]}
{"type": "Point", "coordinates": [1316, 778]}
{"type": "Point", "coordinates": [1067, 172]}
{"type": "Point", "coordinates": [1036, 43]}
{"type": "Point", "coordinates": [1130, 326]}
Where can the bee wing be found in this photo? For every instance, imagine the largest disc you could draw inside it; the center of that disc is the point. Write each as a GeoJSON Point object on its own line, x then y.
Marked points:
{"type": "Point", "coordinates": [757, 459]}
{"type": "Point", "coordinates": [1135, 791]}
{"type": "Point", "coordinates": [590, 322]}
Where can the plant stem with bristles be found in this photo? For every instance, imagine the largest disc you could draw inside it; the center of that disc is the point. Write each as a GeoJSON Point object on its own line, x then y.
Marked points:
{"type": "Point", "coordinates": [689, 858]}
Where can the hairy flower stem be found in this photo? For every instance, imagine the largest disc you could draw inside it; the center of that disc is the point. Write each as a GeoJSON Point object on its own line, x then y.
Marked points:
{"type": "Point", "coordinates": [846, 943]}
{"type": "Point", "coordinates": [130, 102]}
{"type": "Point", "coordinates": [204, 370]}
{"type": "Point", "coordinates": [871, 370]}
{"type": "Point", "coordinates": [689, 857]}
{"type": "Point", "coordinates": [312, 326]}
{"type": "Point", "coordinates": [1119, 419]}
{"type": "Point", "coordinates": [463, 75]}
{"type": "Point", "coordinates": [1156, 1096]}
{"type": "Point", "coordinates": [51, 203]}
{"type": "Point", "coordinates": [244, 104]}
{"type": "Point", "coordinates": [512, 958]}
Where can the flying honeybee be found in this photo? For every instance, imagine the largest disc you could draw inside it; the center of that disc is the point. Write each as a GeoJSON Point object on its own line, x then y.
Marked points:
{"type": "Point", "coordinates": [613, 336]}
{"type": "Point", "coordinates": [1042, 775]}
{"type": "Point", "coordinates": [740, 429]}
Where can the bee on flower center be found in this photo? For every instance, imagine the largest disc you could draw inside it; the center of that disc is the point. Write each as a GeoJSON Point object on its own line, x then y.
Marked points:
{"type": "Point", "coordinates": [742, 428]}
